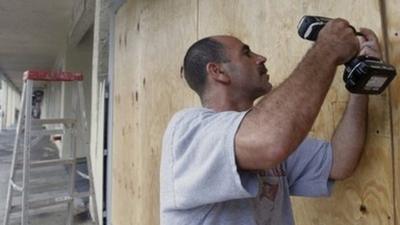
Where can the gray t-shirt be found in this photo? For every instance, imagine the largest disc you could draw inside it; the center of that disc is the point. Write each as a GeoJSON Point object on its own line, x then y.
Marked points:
{"type": "Point", "coordinates": [201, 184]}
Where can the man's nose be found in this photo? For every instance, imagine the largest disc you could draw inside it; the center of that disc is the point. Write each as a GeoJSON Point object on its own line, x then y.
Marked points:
{"type": "Point", "coordinates": [261, 59]}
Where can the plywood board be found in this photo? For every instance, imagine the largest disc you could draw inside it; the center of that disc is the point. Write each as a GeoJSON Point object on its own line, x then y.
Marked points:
{"type": "Point", "coordinates": [125, 170]}
{"type": "Point", "coordinates": [151, 38]}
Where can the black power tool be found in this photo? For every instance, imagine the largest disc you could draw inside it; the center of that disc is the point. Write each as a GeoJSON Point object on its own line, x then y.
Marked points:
{"type": "Point", "coordinates": [362, 74]}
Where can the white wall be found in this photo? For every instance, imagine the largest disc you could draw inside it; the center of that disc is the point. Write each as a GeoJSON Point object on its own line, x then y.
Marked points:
{"type": "Point", "coordinates": [10, 103]}
{"type": "Point", "coordinates": [79, 59]}
{"type": "Point", "coordinates": [61, 99]}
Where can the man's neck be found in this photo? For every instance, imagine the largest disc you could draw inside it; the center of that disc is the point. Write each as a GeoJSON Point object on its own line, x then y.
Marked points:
{"type": "Point", "coordinates": [221, 105]}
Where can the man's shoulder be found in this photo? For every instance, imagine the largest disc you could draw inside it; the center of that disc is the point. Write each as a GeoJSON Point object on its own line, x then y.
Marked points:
{"type": "Point", "coordinates": [184, 117]}
{"type": "Point", "coordinates": [202, 115]}
{"type": "Point", "coordinates": [191, 111]}
{"type": "Point", "coordinates": [188, 114]}
{"type": "Point", "coordinates": [200, 119]}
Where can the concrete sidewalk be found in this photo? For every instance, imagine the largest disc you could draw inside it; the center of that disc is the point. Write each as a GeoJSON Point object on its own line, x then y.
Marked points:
{"type": "Point", "coordinates": [45, 182]}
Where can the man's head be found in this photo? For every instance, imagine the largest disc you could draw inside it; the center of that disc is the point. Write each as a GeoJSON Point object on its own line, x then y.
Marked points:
{"type": "Point", "coordinates": [226, 64]}
{"type": "Point", "coordinates": [196, 59]}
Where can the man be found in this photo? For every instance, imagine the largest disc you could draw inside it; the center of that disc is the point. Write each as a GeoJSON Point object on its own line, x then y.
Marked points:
{"type": "Point", "coordinates": [230, 162]}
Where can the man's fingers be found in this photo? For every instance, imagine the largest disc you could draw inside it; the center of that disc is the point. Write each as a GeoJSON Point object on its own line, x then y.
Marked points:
{"type": "Point", "coordinates": [361, 39]}
{"type": "Point", "coordinates": [367, 51]}
{"type": "Point", "coordinates": [368, 34]}
{"type": "Point", "coordinates": [369, 43]}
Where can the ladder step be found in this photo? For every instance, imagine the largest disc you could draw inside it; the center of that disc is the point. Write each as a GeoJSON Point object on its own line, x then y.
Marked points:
{"type": "Point", "coordinates": [47, 132]}
{"type": "Point", "coordinates": [46, 188]}
{"type": "Point", "coordinates": [43, 203]}
{"type": "Point", "coordinates": [66, 121]}
{"type": "Point", "coordinates": [15, 218]}
{"type": "Point", "coordinates": [51, 162]}
{"type": "Point", "coordinates": [44, 163]}
{"type": "Point", "coordinates": [49, 202]}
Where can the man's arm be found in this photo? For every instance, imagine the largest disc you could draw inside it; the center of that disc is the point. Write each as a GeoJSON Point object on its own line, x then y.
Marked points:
{"type": "Point", "coordinates": [280, 121]}
{"type": "Point", "coordinates": [349, 137]}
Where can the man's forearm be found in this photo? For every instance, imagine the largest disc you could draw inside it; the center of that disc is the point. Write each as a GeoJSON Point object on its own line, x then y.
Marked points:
{"type": "Point", "coordinates": [349, 137]}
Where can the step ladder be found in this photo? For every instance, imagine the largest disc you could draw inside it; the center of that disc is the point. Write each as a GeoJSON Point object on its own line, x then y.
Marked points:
{"type": "Point", "coordinates": [27, 136]}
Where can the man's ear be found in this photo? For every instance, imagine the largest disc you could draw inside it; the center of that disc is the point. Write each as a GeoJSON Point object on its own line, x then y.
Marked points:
{"type": "Point", "coordinates": [217, 73]}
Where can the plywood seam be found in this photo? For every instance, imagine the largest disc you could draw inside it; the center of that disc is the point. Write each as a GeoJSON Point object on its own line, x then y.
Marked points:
{"type": "Point", "coordinates": [382, 8]}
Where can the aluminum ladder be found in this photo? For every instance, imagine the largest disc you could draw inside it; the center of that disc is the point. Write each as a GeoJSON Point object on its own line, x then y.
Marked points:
{"type": "Point", "coordinates": [29, 137]}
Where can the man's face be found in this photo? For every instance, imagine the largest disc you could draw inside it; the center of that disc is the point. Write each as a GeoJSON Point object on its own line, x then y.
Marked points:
{"type": "Point", "coordinates": [248, 73]}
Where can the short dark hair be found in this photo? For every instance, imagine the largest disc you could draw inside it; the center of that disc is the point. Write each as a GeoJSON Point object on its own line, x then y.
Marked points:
{"type": "Point", "coordinates": [198, 55]}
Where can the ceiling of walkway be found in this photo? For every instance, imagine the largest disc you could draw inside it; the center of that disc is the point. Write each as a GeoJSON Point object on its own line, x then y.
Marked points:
{"type": "Point", "coordinates": [32, 33]}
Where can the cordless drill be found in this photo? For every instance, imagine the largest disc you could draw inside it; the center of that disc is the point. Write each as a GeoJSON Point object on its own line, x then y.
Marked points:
{"type": "Point", "coordinates": [362, 74]}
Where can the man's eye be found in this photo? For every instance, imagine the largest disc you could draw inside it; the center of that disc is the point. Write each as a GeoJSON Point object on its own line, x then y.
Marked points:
{"type": "Point", "coordinates": [247, 53]}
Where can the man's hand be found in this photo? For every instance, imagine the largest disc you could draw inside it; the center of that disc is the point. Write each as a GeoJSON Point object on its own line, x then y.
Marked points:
{"type": "Point", "coordinates": [338, 40]}
{"type": "Point", "coordinates": [369, 44]}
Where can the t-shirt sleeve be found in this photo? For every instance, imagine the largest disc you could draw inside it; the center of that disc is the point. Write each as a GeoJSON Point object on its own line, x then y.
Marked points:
{"type": "Point", "coordinates": [308, 169]}
{"type": "Point", "coordinates": [203, 160]}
